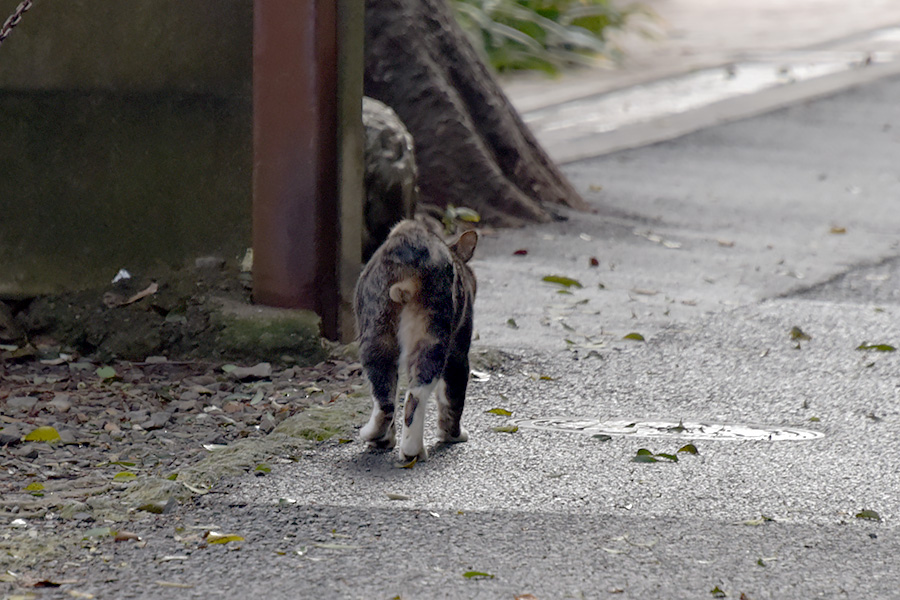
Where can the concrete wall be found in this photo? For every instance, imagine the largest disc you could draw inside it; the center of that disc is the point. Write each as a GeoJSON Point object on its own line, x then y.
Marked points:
{"type": "Point", "coordinates": [125, 138]}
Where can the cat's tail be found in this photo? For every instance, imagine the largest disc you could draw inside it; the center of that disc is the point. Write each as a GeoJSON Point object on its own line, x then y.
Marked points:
{"type": "Point", "coordinates": [403, 291]}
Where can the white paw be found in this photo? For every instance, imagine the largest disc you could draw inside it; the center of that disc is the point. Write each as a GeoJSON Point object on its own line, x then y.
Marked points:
{"type": "Point", "coordinates": [379, 431]}
{"type": "Point", "coordinates": [410, 449]}
{"type": "Point", "coordinates": [446, 437]}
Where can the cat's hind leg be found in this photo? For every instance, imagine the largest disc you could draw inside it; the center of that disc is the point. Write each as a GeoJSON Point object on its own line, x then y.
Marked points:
{"type": "Point", "coordinates": [451, 398]}
{"type": "Point", "coordinates": [379, 359]}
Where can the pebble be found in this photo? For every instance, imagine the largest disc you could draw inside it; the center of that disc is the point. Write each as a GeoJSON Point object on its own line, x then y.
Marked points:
{"type": "Point", "coordinates": [21, 403]}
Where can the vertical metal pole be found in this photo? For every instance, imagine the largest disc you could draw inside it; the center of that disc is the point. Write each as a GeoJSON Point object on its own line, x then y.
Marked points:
{"type": "Point", "coordinates": [351, 160]}
{"type": "Point", "coordinates": [296, 231]}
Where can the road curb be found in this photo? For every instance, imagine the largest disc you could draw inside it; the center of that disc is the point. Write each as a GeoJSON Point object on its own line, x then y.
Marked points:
{"type": "Point", "coordinates": [733, 109]}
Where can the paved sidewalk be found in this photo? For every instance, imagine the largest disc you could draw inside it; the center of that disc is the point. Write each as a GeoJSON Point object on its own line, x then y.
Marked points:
{"type": "Point", "coordinates": [710, 65]}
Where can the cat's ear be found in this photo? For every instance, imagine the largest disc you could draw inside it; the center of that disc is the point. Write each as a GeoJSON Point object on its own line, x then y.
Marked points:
{"type": "Point", "coordinates": [464, 246]}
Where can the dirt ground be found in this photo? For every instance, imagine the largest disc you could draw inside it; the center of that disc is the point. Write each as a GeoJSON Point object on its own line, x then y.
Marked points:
{"type": "Point", "coordinates": [121, 403]}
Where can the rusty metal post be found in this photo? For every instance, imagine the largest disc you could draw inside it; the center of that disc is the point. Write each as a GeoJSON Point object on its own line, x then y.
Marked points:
{"type": "Point", "coordinates": [351, 159]}
{"type": "Point", "coordinates": [296, 231]}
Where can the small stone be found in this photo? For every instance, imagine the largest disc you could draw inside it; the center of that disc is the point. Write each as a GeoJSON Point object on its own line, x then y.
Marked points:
{"type": "Point", "coordinates": [185, 405]}
{"type": "Point", "coordinates": [22, 403]}
{"type": "Point", "coordinates": [136, 416]}
{"type": "Point", "coordinates": [28, 452]}
{"type": "Point", "coordinates": [111, 427]}
{"type": "Point", "coordinates": [233, 407]}
{"type": "Point", "coordinates": [259, 371]}
{"type": "Point", "coordinates": [267, 423]}
{"type": "Point", "coordinates": [9, 435]}
{"type": "Point", "coordinates": [60, 403]}
{"type": "Point", "coordinates": [157, 420]}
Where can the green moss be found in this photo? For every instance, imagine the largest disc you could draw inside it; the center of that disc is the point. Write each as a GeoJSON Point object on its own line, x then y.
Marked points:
{"type": "Point", "coordinates": [256, 331]}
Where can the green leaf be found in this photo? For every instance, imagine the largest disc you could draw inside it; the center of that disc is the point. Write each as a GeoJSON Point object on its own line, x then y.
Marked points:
{"type": "Point", "coordinates": [671, 457]}
{"type": "Point", "coordinates": [797, 334]}
{"type": "Point", "coordinates": [499, 411]}
{"type": "Point", "coordinates": [124, 476]}
{"type": "Point", "coordinates": [477, 575]}
{"type": "Point", "coordinates": [34, 486]}
{"type": "Point", "coordinates": [467, 214]}
{"type": "Point", "coordinates": [814, 419]}
{"type": "Point", "coordinates": [717, 593]}
{"type": "Point", "coordinates": [634, 336]}
{"type": "Point", "coordinates": [688, 449]}
{"type": "Point", "coordinates": [506, 429]}
{"type": "Point", "coordinates": [876, 347]}
{"type": "Point", "coordinates": [106, 373]}
{"type": "Point", "coordinates": [172, 477]}
{"type": "Point", "coordinates": [263, 468]}
{"type": "Point", "coordinates": [601, 437]}
{"type": "Point", "coordinates": [566, 282]}
{"type": "Point", "coordinates": [410, 464]}
{"type": "Point", "coordinates": [228, 368]}
{"type": "Point", "coordinates": [644, 452]}
{"type": "Point", "coordinates": [680, 428]}
{"type": "Point", "coordinates": [43, 434]}
{"type": "Point", "coordinates": [511, 323]}
{"type": "Point", "coordinates": [221, 538]}
{"type": "Point", "coordinates": [871, 515]}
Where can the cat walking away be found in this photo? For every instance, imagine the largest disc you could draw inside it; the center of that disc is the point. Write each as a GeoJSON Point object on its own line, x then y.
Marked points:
{"type": "Point", "coordinates": [414, 307]}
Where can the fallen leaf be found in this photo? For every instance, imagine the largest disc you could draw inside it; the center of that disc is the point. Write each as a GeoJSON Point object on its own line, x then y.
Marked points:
{"type": "Point", "coordinates": [798, 334]}
{"type": "Point", "coordinates": [717, 593]}
{"type": "Point", "coordinates": [34, 486]}
{"type": "Point", "coordinates": [214, 537]}
{"type": "Point", "coordinates": [477, 575]}
{"type": "Point", "coordinates": [127, 536]}
{"type": "Point", "coordinates": [42, 434]}
{"type": "Point", "coordinates": [592, 261]}
{"type": "Point", "coordinates": [520, 252]}
{"type": "Point", "coordinates": [263, 468]}
{"type": "Point", "coordinates": [410, 464]}
{"type": "Point", "coordinates": [876, 347]}
{"type": "Point", "coordinates": [838, 230]}
{"type": "Point", "coordinates": [563, 281]}
{"type": "Point", "coordinates": [506, 429]}
{"type": "Point", "coordinates": [106, 373]}
{"type": "Point", "coordinates": [511, 323]}
{"type": "Point", "coordinates": [871, 515]}
{"type": "Point", "coordinates": [633, 336]}
{"type": "Point", "coordinates": [602, 437]}
{"type": "Point", "coordinates": [688, 449]}
{"type": "Point", "coordinates": [148, 291]}
{"type": "Point", "coordinates": [392, 496]}
{"type": "Point", "coordinates": [526, 597]}
{"type": "Point", "coordinates": [499, 411]}
{"type": "Point", "coordinates": [124, 476]}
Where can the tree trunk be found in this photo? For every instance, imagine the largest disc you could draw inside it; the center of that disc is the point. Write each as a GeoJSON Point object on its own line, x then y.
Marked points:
{"type": "Point", "coordinates": [472, 148]}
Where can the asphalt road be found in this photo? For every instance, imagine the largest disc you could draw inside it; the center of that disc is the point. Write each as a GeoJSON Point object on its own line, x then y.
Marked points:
{"type": "Point", "coordinates": [712, 247]}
